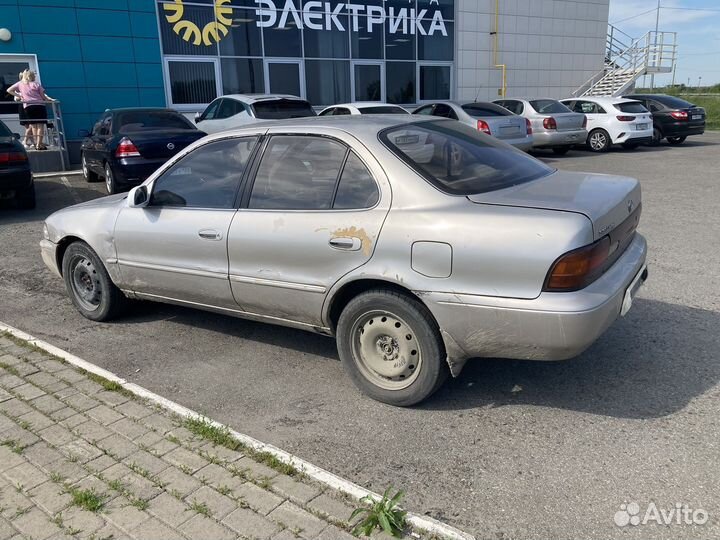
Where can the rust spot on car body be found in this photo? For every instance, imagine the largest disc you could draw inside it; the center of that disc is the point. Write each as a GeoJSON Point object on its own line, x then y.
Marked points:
{"type": "Point", "coordinates": [354, 232]}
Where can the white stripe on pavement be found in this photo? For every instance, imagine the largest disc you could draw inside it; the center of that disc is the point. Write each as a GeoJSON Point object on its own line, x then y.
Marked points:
{"type": "Point", "coordinates": [316, 473]}
{"type": "Point", "coordinates": [75, 196]}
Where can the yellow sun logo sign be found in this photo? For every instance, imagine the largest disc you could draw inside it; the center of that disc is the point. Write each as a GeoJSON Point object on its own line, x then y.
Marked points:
{"type": "Point", "coordinates": [211, 33]}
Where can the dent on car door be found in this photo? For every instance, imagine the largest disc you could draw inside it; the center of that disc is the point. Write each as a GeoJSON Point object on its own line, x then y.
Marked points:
{"type": "Point", "coordinates": [176, 247]}
{"type": "Point", "coordinates": [314, 213]}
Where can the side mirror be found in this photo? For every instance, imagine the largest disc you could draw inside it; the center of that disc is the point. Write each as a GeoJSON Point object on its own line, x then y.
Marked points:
{"type": "Point", "coordinates": [17, 136]}
{"type": "Point", "coordinates": [197, 117]}
{"type": "Point", "coordinates": [138, 197]}
{"type": "Point", "coordinates": [83, 133]}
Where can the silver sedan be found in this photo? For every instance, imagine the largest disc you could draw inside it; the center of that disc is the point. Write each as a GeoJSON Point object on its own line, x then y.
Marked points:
{"type": "Point", "coordinates": [418, 243]}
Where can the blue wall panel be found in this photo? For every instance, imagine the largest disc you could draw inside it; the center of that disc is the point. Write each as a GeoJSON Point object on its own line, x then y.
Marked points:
{"type": "Point", "coordinates": [92, 54]}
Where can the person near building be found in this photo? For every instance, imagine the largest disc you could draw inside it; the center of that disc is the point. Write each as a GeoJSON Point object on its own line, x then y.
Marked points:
{"type": "Point", "coordinates": [28, 137]}
{"type": "Point", "coordinates": [33, 98]}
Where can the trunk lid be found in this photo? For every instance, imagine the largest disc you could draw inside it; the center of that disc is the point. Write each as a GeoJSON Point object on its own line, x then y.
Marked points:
{"type": "Point", "coordinates": [506, 127]}
{"type": "Point", "coordinates": [162, 143]}
{"type": "Point", "coordinates": [696, 116]}
{"type": "Point", "coordinates": [568, 121]}
{"type": "Point", "coordinates": [606, 200]}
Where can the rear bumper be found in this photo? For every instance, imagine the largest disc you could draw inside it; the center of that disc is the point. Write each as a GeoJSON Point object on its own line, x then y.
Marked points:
{"type": "Point", "coordinates": [15, 179]}
{"type": "Point", "coordinates": [130, 172]}
{"type": "Point", "coordinates": [548, 139]}
{"type": "Point", "coordinates": [524, 144]}
{"type": "Point", "coordinates": [553, 326]}
{"type": "Point", "coordinates": [682, 129]}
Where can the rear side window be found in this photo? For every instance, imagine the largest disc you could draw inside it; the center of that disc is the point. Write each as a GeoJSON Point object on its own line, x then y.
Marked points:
{"type": "Point", "coordinates": [278, 109]}
{"type": "Point", "coordinates": [149, 120]}
{"type": "Point", "coordinates": [631, 107]}
{"type": "Point", "coordinates": [444, 111]}
{"type": "Point", "coordinates": [229, 108]}
{"type": "Point", "coordinates": [588, 107]}
{"type": "Point", "coordinates": [488, 109]}
{"type": "Point", "coordinates": [196, 181]}
{"type": "Point", "coordinates": [357, 189]}
{"type": "Point", "coordinates": [549, 106]}
{"type": "Point", "coordinates": [515, 107]}
{"type": "Point", "coordinates": [298, 173]}
{"type": "Point", "coordinates": [458, 160]}
{"type": "Point", "coordinates": [383, 110]}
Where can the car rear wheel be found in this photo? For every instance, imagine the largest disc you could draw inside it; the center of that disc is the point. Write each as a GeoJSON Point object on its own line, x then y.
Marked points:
{"type": "Point", "coordinates": [26, 198]}
{"type": "Point", "coordinates": [89, 285]}
{"type": "Point", "coordinates": [391, 347]}
{"type": "Point", "coordinates": [110, 180]}
{"type": "Point", "coordinates": [676, 140]}
{"type": "Point", "coordinates": [87, 173]}
{"type": "Point", "coordinates": [599, 140]}
{"type": "Point", "coordinates": [657, 137]}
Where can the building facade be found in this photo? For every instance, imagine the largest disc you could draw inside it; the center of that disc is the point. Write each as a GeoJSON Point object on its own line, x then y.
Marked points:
{"type": "Point", "coordinates": [99, 54]}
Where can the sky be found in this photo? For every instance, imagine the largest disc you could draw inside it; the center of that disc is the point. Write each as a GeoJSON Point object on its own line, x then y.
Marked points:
{"type": "Point", "coordinates": [697, 23]}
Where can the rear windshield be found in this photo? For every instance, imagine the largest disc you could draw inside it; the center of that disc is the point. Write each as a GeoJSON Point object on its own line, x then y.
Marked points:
{"type": "Point", "coordinates": [673, 102]}
{"type": "Point", "coordinates": [636, 107]}
{"type": "Point", "coordinates": [383, 110]}
{"type": "Point", "coordinates": [459, 160]}
{"type": "Point", "coordinates": [280, 109]}
{"type": "Point", "coordinates": [149, 120]}
{"type": "Point", "coordinates": [4, 131]}
{"type": "Point", "coordinates": [478, 110]}
{"type": "Point", "coordinates": [549, 106]}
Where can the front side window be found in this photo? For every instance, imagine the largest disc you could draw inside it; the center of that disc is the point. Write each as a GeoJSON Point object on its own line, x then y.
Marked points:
{"type": "Point", "coordinates": [298, 173]}
{"type": "Point", "coordinates": [456, 159]}
{"type": "Point", "coordinates": [588, 107]}
{"type": "Point", "coordinates": [211, 112]}
{"type": "Point", "coordinates": [328, 112]}
{"type": "Point", "coordinates": [515, 107]}
{"type": "Point", "coordinates": [444, 111]}
{"type": "Point", "coordinates": [229, 108]}
{"type": "Point", "coordinates": [208, 177]}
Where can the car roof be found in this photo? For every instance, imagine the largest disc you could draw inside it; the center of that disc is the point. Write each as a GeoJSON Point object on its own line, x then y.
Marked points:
{"type": "Point", "coordinates": [139, 109]}
{"type": "Point", "coordinates": [256, 98]}
{"type": "Point", "coordinates": [604, 100]}
{"type": "Point", "coordinates": [364, 105]}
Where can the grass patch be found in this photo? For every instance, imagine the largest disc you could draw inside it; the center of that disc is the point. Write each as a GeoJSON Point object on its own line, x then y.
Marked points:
{"type": "Point", "coordinates": [87, 499]}
{"type": "Point", "coordinates": [140, 504]}
{"type": "Point", "coordinates": [10, 369]}
{"type": "Point", "coordinates": [110, 386]}
{"type": "Point", "coordinates": [13, 445]}
{"type": "Point", "coordinates": [221, 436]}
{"type": "Point", "coordinates": [382, 515]}
{"type": "Point", "coordinates": [201, 508]}
{"type": "Point", "coordinates": [57, 477]}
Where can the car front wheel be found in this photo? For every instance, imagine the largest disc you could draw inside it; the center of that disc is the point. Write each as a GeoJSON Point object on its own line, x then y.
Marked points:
{"type": "Point", "coordinates": [89, 285]}
{"type": "Point", "coordinates": [391, 347]}
{"type": "Point", "coordinates": [676, 140]}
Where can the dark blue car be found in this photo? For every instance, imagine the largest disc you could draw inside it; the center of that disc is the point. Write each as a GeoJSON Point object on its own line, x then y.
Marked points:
{"type": "Point", "coordinates": [16, 180]}
{"type": "Point", "coordinates": [128, 145]}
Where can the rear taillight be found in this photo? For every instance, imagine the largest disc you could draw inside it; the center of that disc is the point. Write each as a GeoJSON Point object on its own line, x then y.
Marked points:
{"type": "Point", "coordinates": [584, 122]}
{"type": "Point", "coordinates": [679, 115]}
{"type": "Point", "coordinates": [625, 118]}
{"type": "Point", "coordinates": [483, 126]}
{"type": "Point", "coordinates": [126, 148]}
{"type": "Point", "coordinates": [528, 125]}
{"type": "Point", "coordinates": [578, 268]}
{"type": "Point", "coordinates": [13, 157]}
{"type": "Point", "coordinates": [550, 123]}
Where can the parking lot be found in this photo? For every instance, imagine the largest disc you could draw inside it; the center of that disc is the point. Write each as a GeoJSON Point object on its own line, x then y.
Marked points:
{"type": "Point", "coordinates": [510, 449]}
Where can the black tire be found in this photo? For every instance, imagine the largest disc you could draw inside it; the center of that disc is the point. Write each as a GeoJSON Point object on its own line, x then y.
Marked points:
{"type": "Point", "coordinates": [88, 175]}
{"type": "Point", "coordinates": [412, 340]}
{"type": "Point", "coordinates": [110, 184]}
{"type": "Point", "coordinates": [657, 136]}
{"type": "Point", "coordinates": [599, 140]}
{"type": "Point", "coordinates": [89, 285]}
{"type": "Point", "coordinates": [561, 150]}
{"type": "Point", "coordinates": [676, 140]}
{"type": "Point", "coordinates": [26, 198]}
{"type": "Point", "coordinates": [630, 146]}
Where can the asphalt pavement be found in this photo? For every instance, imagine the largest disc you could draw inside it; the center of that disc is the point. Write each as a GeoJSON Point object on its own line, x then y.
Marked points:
{"type": "Point", "coordinates": [510, 449]}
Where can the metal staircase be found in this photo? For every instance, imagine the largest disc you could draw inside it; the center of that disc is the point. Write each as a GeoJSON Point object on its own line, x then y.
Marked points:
{"type": "Point", "coordinates": [627, 59]}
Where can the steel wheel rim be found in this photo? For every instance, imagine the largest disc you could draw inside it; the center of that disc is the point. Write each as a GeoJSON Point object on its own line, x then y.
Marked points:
{"type": "Point", "coordinates": [85, 282]}
{"type": "Point", "coordinates": [84, 167]}
{"type": "Point", "coordinates": [108, 178]}
{"type": "Point", "coordinates": [597, 141]}
{"type": "Point", "coordinates": [386, 350]}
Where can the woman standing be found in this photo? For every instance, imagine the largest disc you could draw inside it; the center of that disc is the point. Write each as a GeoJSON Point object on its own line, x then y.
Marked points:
{"type": "Point", "coordinates": [33, 97]}
{"type": "Point", "coordinates": [28, 138]}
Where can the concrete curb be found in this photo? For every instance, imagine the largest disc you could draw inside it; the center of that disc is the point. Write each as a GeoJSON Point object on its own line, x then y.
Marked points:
{"type": "Point", "coordinates": [318, 474]}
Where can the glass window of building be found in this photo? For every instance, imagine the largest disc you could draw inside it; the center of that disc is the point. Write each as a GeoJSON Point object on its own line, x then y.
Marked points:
{"type": "Point", "coordinates": [328, 81]}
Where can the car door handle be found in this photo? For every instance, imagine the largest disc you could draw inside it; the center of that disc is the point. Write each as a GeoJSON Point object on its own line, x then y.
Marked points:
{"type": "Point", "coordinates": [210, 234]}
{"type": "Point", "coordinates": [346, 243]}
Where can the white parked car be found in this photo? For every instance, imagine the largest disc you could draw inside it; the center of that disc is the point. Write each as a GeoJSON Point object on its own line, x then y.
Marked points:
{"type": "Point", "coordinates": [362, 107]}
{"type": "Point", "coordinates": [238, 110]}
{"type": "Point", "coordinates": [613, 121]}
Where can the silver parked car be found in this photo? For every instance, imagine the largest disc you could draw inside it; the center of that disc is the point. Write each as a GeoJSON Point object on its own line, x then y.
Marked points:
{"type": "Point", "coordinates": [418, 243]}
{"type": "Point", "coordinates": [486, 117]}
{"type": "Point", "coordinates": [362, 107]}
{"type": "Point", "coordinates": [554, 125]}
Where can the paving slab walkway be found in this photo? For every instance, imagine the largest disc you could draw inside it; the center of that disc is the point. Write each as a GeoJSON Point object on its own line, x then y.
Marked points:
{"type": "Point", "coordinates": [80, 457]}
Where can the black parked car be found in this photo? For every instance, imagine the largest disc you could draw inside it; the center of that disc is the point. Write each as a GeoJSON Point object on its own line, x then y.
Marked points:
{"type": "Point", "coordinates": [16, 180]}
{"type": "Point", "coordinates": [128, 145]}
{"type": "Point", "coordinates": [674, 119]}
